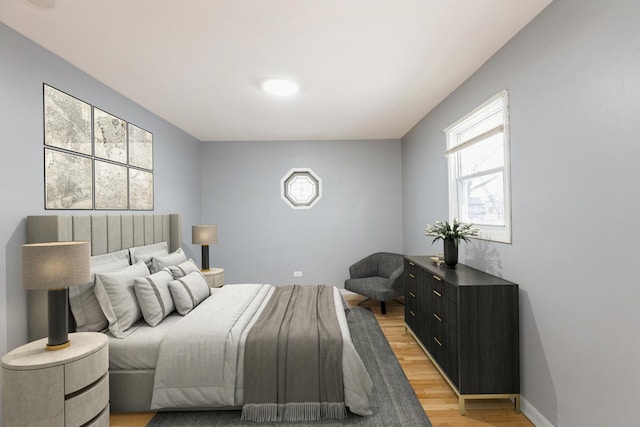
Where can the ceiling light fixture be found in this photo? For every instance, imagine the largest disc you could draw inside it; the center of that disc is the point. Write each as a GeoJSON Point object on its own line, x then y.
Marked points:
{"type": "Point", "coordinates": [280, 87]}
{"type": "Point", "coordinates": [44, 3]}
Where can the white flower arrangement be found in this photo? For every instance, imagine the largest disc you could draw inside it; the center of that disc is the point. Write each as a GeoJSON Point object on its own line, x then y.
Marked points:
{"type": "Point", "coordinates": [456, 232]}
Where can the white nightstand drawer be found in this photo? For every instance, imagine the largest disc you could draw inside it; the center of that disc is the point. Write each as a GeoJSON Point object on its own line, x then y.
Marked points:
{"type": "Point", "coordinates": [83, 407]}
{"type": "Point", "coordinates": [81, 373]}
{"type": "Point", "coordinates": [101, 420]}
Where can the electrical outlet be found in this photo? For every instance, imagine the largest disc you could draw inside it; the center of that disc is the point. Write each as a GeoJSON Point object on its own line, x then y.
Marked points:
{"type": "Point", "coordinates": [297, 274]}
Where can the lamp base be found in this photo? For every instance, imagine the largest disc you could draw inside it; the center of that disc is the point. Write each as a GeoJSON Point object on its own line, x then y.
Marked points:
{"type": "Point", "coordinates": [58, 305]}
{"type": "Point", "coordinates": [205, 257]}
{"type": "Point", "coordinates": [55, 347]}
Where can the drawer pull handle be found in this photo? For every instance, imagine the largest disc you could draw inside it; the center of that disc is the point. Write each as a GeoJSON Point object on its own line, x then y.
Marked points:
{"type": "Point", "coordinates": [437, 317]}
{"type": "Point", "coordinates": [436, 340]}
{"type": "Point", "coordinates": [437, 293]}
{"type": "Point", "coordinates": [412, 276]}
{"type": "Point", "coordinates": [411, 264]}
{"type": "Point", "coordinates": [437, 278]}
{"type": "Point", "coordinates": [412, 295]}
{"type": "Point", "coordinates": [412, 313]}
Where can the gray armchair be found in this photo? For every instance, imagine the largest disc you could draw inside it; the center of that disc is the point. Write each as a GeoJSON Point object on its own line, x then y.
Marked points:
{"type": "Point", "coordinates": [378, 277]}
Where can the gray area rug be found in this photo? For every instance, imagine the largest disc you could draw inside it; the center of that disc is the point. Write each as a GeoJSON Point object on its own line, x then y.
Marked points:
{"type": "Point", "coordinates": [395, 402]}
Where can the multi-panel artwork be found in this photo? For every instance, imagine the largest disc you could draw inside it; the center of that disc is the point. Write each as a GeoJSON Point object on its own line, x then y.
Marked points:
{"type": "Point", "coordinates": [93, 159]}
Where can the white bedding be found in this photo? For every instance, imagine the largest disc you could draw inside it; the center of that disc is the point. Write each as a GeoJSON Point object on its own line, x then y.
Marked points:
{"type": "Point", "coordinates": [200, 358]}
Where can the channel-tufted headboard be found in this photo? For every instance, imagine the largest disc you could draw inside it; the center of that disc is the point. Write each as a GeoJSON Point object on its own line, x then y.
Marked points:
{"type": "Point", "coordinates": [107, 233]}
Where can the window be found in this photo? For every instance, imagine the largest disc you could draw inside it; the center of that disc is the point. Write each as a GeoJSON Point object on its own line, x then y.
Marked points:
{"type": "Point", "coordinates": [301, 188]}
{"type": "Point", "coordinates": [479, 181]}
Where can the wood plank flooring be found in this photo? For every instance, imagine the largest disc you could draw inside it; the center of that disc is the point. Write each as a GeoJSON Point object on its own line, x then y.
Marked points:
{"type": "Point", "coordinates": [438, 400]}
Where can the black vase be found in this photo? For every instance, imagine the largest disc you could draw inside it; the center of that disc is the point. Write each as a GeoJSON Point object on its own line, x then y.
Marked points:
{"type": "Point", "coordinates": [450, 253]}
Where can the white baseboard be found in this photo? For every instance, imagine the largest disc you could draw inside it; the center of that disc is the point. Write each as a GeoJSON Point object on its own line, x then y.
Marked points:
{"type": "Point", "coordinates": [533, 414]}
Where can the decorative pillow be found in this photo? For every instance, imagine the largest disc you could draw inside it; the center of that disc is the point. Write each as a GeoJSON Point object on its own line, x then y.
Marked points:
{"type": "Point", "coordinates": [181, 270]}
{"type": "Point", "coordinates": [147, 252]}
{"type": "Point", "coordinates": [189, 291]}
{"type": "Point", "coordinates": [116, 295]}
{"type": "Point", "coordinates": [174, 258]}
{"type": "Point", "coordinates": [154, 296]}
{"type": "Point", "coordinates": [82, 299]}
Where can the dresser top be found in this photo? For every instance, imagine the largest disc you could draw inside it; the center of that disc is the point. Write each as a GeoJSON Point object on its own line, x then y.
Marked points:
{"type": "Point", "coordinates": [461, 275]}
{"type": "Point", "coordinates": [34, 355]}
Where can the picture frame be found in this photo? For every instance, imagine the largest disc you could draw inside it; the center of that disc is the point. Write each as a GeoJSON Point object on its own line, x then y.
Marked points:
{"type": "Point", "coordinates": [140, 190]}
{"type": "Point", "coordinates": [67, 121]}
{"type": "Point", "coordinates": [140, 147]}
{"type": "Point", "coordinates": [111, 182]}
{"type": "Point", "coordinates": [68, 180]}
{"type": "Point", "coordinates": [109, 137]}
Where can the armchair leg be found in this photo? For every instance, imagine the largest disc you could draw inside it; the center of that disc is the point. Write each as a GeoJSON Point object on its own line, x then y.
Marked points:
{"type": "Point", "coordinates": [363, 301]}
{"type": "Point", "coordinates": [383, 307]}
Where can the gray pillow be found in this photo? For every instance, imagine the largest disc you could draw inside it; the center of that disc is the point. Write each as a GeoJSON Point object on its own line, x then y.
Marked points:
{"type": "Point", "coordinates": [147, 252]}
{"type": "Point", "coordinates": [116, 295]}
{"type": "Point", "coordinates": [82, 299]}
{"type": "Point", "coordinates": [174, 258]}
{"type": "Point", "coordinates": [189, 291]}
{"type": "Point", "coordinates": [154, 297]}
{"type": "Point", "coordinates": [182, 269]}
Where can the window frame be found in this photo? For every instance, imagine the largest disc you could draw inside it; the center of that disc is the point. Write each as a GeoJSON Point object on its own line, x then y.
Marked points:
{"type": "Point", "coordinates": [455, 149]}
{"type": "Point", "coordinates": [290, 199]}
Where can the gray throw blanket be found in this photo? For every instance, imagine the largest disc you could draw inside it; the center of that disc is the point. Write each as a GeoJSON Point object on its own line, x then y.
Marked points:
{"type": "Point", "coordinates": [293, 358]}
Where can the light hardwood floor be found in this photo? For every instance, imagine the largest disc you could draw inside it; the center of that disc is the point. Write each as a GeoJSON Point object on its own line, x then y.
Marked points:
{"type": "Point", "coordinates": [438, 400]}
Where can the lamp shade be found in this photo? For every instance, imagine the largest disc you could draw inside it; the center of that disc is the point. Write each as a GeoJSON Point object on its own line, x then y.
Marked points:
{"type": "Point", "coordinates": [55, 265]}
{"type": "Point", "coordinates": [204, 234]}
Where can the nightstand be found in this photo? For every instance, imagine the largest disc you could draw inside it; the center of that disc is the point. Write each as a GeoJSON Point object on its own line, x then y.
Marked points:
{"type": "Point", "coordinates": [68, 387]}
{"type": "Point", "coordinates": [214, 276]}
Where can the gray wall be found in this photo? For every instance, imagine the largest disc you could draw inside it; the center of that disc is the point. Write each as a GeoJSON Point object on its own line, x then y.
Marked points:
{"type": "Point", "coordinates": [261, 239]}
{"type": "Point", "coordinates": [573, 77]}
{"type": "Point", "coordinates": [24, 66]}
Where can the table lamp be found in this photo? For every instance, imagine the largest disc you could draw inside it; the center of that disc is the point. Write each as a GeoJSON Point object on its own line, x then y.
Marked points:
{"type": "Point", "coordinates": [204, 235]}
{"type": "Point", "coordinates": [56, 266]}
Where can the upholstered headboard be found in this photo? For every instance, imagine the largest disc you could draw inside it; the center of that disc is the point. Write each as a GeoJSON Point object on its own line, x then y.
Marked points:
{"type": "Point", "coordinates": [107, 233]}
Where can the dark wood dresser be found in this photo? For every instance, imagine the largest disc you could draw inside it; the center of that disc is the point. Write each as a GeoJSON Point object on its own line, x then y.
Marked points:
{"type": "Point", "coordinates": [467, 323]}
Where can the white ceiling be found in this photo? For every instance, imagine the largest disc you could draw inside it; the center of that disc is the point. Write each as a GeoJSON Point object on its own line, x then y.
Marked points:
{"type": "Point", "coordinates": [368, 69]}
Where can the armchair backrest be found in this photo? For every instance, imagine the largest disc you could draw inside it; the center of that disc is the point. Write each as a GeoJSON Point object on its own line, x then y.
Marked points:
{"type": "Point", "coordinates": [388, 263]}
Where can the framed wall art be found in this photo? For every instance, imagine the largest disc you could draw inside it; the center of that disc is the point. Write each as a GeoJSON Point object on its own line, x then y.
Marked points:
{"type": "Point", "coordinates": [111, 186]}
{"type": "Point", "coordinates": [67, 122]}
{"type": "Point", "coordinates": [140, 190]}
{"type": "Point", "coordinates": [68, 180]}
{"type": "Point", "coordinates": [109, 137]}
{"type": "Point", "coordinates": [140, 147]}
{"type": "Point", "coordinates": [93, 159]}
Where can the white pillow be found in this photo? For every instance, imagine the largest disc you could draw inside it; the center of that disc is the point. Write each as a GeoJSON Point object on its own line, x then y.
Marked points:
{"type": "Point", "coordinates": [174, 258]}
{"type": "Point", "coordinates": [82, 299]}
{"type": "Point", "coordinates": [147, 252]}
{"type": "Point", "coordinates": [181, 270]}
{"type": "Point", "coordinates": [189, 291]}
{"type": "Point", "coordinates": [154, 296]}
{"type": "Point", "coordinates": [116, 295]}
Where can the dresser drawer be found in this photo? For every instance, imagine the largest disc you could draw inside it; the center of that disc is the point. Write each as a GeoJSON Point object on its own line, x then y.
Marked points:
{"type": "Point", "coordinates": [443, 310]}
{"type": "Point", "coordinates": [440, 286]}
{"type": "Point", "coordinates": [410, 266]}
{"type": "Point", "coordinates": [445, 349]}
{"type": "Point", "coordinates": [411, 276]}
{"type": "Point", "coordinates": [81, 373]}
{"type": "Point", "coordinates": [82, 407]}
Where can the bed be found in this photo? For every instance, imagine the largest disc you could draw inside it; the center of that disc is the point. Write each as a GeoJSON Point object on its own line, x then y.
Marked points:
{"type": "Point", "coordinates": [148, 367]}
